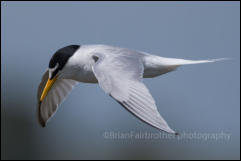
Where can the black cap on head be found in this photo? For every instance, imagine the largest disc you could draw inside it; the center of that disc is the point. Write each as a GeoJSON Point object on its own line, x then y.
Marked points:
{"type": "Point", "coordinates": [61, 57]}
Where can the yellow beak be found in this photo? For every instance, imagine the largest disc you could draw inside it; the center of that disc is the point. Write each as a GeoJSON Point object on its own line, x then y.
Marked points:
{"type": "Point", "coordinates": [47, 87]}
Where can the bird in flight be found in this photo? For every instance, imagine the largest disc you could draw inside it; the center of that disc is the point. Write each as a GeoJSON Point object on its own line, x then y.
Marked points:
{"type": "Point", "coordinates": [119, 72]}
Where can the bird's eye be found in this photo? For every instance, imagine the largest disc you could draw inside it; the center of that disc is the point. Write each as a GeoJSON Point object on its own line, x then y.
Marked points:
{"type": "Point", "coordinates": [53, 71]}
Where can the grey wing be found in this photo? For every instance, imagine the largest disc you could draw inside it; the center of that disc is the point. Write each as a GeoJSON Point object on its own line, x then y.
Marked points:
{"type": "Point", "coordinates": [47, 108]}
{"type": "Point", "coordinates": [121, 78]}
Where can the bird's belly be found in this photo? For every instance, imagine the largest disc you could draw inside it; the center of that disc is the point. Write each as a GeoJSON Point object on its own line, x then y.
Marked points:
{"type": "Point", "coordinates": [150, 72]}
{"type": "Point", "coordinates": [86, 77]}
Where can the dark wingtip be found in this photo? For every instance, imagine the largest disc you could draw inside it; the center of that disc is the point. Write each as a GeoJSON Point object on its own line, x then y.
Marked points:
{"type": "Point", "coordinates": [40, 120]}
{"type": "Point", "coordinates": [43, 124]}
{"type": "Point", "coordinates": [177, 134]}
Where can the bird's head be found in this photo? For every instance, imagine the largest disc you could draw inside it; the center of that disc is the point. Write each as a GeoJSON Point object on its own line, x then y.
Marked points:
{"type": "Point", "coordinates": [56, 65]}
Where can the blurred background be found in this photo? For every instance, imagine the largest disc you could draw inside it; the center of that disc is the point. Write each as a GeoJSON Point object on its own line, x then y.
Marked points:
{"type": "Point", "coordinates": [203, 98]}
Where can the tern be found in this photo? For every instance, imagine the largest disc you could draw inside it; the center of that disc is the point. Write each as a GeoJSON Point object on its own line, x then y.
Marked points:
{"type": "Point", "coordinates": [119, 72]}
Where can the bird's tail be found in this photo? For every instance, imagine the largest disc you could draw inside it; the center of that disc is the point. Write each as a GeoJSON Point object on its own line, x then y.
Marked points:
{"type": "Point", "coordinates": [161, 65]}
{"type": "Point", "coordinates": [178, 62]}
{"type": "Point", "coordinates": [186, 62]}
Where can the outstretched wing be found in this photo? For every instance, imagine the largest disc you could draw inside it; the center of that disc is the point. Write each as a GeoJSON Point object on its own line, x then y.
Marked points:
{"type": "Point", "coordinates": [54, 98]}
{"type": "Point", "coordinates": [121, 77]}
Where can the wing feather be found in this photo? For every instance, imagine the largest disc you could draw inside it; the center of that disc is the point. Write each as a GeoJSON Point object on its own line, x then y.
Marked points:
{"type": "Point", "coordinates": [56, 95]}
{"type": "Point", "coordinates": [124, 83]}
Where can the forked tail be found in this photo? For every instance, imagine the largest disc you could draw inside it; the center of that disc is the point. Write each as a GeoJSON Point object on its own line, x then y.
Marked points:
{"type": "Point", "coordinates": [185, 62]}
{"type": "Point", "coordinates": [155, 65]}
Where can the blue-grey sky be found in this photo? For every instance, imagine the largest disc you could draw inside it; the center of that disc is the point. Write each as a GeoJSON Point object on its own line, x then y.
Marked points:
{"type": "Point", "coordinates": [201, 99]}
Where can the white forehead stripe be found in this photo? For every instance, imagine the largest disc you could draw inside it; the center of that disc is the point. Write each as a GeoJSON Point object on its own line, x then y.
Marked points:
{"type": "Point", "coordinates": [51, 70]}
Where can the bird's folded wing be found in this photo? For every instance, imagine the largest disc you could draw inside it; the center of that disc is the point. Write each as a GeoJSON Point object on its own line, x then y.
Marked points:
{"type": "Point", "coordinates": [121, 78]}
{"type": "Point", "coordinates": [55, 96]}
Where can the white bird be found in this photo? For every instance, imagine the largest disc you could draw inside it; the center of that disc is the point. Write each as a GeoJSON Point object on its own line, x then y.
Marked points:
{"type": "Point", "coordinates": [118, 71]}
